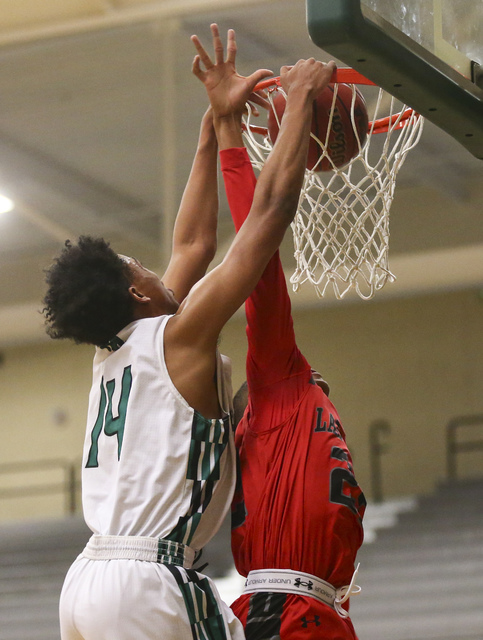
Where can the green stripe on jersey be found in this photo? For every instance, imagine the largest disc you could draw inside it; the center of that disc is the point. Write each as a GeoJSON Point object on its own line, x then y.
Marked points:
{"type": "Point", "coordinates": [209, 439]}
{"type": "Point", "coordinates": [185, 529]}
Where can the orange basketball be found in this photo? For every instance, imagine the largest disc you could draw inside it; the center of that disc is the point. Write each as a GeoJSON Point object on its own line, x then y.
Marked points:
{"type": "Point", "coordinates": [342, 142]}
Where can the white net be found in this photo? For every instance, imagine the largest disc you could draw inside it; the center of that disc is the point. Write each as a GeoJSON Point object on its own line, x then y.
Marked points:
{"type": "Point", "coordinates": [341, 229]}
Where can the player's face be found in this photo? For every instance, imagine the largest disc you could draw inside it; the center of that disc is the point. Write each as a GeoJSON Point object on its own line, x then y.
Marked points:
{"type": "Point", "coordinates": [148, 283]}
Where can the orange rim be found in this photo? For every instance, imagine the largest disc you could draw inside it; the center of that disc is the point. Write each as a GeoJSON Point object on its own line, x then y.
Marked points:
{"type": "Point", "coordinates": [347, 76]}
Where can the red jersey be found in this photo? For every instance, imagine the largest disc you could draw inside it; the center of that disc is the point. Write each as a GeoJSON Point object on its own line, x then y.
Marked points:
{"type": "Point", "coordinates": [300, 507]}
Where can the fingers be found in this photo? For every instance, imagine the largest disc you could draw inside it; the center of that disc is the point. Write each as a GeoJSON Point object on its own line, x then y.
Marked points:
{"type": "Point", "coordinates": [231, 47]}
{"type": "Point", "coordinates": [204, 57]}
{"type": "Point", "coordinates": [253, 110]}
{"type": "Point", "coordinates": [332, 68]}
{"type": "Point", "coordinates": [226, 88]}
{"type": "Point", "coordinates": [258, 76]}
{"type": "Point", "coordinates": [328, 72]}
{"type": "Point", "coordinates": [217, 44]}
{"type": "Point", "coordinates": [219, 52]}
{"type": "Point", "coordinates": [311, 73]}
{"type": "Point", "coordinates": [196, 68]}
{"type": "Point", "coordinates": [329, 67]}
{"type": "Point", "coordinates": [260, 100]}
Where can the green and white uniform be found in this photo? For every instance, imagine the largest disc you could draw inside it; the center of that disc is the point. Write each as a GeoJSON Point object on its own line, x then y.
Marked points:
{"type": "Point", "coordinates": [157, 482]}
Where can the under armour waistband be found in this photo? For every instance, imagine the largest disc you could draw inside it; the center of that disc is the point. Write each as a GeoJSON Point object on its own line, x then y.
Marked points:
{"type": "Point", "coordinates": [288, 581]}
{"type": "Point", "coordinates": [139, 548]}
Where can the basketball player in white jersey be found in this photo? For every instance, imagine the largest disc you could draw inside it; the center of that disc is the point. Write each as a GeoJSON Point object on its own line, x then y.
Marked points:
{"type": "Point", "coordinates": [158, 465]}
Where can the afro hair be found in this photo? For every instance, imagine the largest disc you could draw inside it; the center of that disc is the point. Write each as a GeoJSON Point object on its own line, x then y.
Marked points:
{"type": "Point", "coordinates": [88, 297]}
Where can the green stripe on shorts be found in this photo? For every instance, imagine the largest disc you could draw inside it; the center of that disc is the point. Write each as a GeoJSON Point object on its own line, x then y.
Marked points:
{"type": "Point", "coordinates": [205, 617]}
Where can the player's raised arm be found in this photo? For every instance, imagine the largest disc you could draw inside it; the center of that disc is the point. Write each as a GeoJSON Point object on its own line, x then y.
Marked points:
{"type": "Point", "coordinates": [214, 300]}
{"type": "Point", "coordinates": [194, 238]}
{"type": "Point", "coordinates": [194, 235]}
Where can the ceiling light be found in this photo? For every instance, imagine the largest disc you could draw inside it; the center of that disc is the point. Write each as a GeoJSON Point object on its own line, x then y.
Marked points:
{"type": "Point", "coordinates": [6, 204]}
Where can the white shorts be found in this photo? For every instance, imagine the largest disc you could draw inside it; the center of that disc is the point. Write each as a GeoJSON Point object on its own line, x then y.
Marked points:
{"type": "Point", "coordinates": [126, 599]}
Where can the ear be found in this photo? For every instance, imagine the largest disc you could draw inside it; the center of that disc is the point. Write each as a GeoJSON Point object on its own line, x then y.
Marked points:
{"type": "Point", "coordinates": [138, 296]}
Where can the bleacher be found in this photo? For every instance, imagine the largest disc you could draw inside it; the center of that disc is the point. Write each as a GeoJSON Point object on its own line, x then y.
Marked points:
{"type": "Point", "coordinates": [421, 570]}
{"type": "Point", "coordinates": [34, 558]}
{"type": "Point", "coordinates": [423, 578]}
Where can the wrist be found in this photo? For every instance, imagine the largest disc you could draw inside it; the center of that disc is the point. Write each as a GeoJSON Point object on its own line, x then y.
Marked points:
{"type": "Point", "coordinates": [227, 120]}
{"type": "Point", "coordinates": [299, 102]}
{"type": "Point", "coordinates": [207, 135]}
{"type": "Point", "coordinates": [301, 93]}
{"type": "Point", "coordinates": [207, 142]}
{"type": "Point", "coordinates": [229, 131]}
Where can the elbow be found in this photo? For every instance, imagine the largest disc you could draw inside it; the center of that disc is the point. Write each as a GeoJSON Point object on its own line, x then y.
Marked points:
{"type": "Point", "coordinates": [209, 250]}
{"type": "Point", "coordinates": [200, 252]}
{"type": "Point", "coordinates": [279, 196]}
{"type": "Point", "coordinates": [204, 250]}
{"type": "Point", "coordinates": [281, 206]}
{"type": "Point", "coordinates": [287, 206]}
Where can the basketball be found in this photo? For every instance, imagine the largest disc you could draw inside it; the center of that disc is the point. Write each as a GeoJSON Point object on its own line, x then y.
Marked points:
{"type": "Point", "coordinates": [342, 142]}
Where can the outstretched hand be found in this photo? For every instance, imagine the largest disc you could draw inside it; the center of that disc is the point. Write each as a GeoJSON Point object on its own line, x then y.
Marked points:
{"type": "Point", "coordinates": [311, 75]}
{"type": "Point", "coordinates": [227, 90]}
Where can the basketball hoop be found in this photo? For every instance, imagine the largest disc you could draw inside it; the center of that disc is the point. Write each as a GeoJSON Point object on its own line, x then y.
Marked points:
{"type": "Point", "coordinates": [341, 228]}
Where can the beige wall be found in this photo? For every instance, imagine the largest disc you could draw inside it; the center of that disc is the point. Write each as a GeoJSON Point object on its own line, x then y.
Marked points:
{"type": "Point", "coordinates": [415, 362]}
{"type": "Point", "coordinates": [43, 393]}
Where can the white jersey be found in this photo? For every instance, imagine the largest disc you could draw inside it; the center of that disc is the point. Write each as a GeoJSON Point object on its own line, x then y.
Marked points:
{"type": "Point", "coordinates": [152, 465]}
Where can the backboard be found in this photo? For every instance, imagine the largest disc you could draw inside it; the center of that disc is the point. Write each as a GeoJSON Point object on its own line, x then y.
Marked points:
{"type": "Point", "coordinates": [426, 53]}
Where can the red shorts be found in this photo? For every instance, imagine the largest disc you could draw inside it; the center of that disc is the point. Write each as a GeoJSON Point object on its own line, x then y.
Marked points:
{"type": "Point", "coordinates": [270, 616]}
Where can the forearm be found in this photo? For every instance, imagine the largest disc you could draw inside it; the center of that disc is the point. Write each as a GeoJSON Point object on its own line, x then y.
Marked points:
{"type": "Point", "coordinates": [282, 176]}
{"type": "Point", "coordinates": [271, 339]}
{"type": "Point", "coordinates": [228, 131]}
{"type": "Point", "coordinates": [194, 235]}
{"type": "Point", "coordinates": [212, 302]}
{"type": "Point", "coordinates": [274, 206]}
{"type": "Point", "coordinates": [198, 212]}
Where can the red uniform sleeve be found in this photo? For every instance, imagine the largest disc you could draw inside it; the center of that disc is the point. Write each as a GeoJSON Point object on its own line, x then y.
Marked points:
{"type": "Point", "coordinates": [272, 352]}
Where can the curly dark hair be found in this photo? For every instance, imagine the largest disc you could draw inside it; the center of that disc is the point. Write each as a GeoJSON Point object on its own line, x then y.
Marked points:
{"type": "Point", "coordinates": [88, 296]}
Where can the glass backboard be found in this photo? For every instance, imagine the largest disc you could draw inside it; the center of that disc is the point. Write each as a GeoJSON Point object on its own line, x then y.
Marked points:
{"type": "Point", "coordinates": [450, 29]}
{"type": "Point", "coordinates": [427, 53]}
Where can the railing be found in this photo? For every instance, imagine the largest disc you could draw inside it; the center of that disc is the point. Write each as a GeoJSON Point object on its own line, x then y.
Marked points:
{"type": "Point", "coordinates": [67, 486]}
{"type": "Point", "coordinates": [454, 447]}
{"type": "Point", "coordinates": [376, 449]}
{"type": "Point", "coordinates": [378, 431]}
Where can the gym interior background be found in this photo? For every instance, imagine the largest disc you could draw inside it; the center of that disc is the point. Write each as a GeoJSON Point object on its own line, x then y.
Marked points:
{"type": "Point", "coordinates": [99, 116]}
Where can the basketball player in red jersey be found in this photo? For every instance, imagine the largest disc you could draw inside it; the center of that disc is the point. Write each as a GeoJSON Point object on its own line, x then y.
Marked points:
{"type": "Point", "coordinates": [297, 520]}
